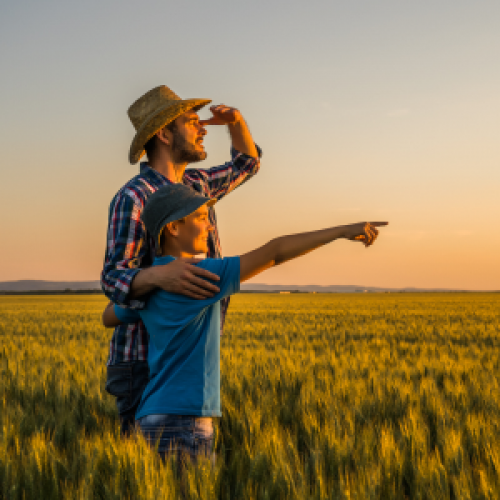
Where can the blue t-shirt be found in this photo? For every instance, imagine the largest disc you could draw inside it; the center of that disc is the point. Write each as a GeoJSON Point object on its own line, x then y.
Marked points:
{"type": "Point", "coordinates": [184, 345]}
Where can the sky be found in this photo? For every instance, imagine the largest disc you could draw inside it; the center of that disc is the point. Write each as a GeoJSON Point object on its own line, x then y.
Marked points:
{"type": "Point", "coordinates": [364, 110]}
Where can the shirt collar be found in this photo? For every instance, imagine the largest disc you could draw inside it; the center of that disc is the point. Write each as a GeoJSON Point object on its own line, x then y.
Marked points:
{"type": "Point", "coordinates": [164, 259]}
{"type": "Point", "coordinates": [152, 175]}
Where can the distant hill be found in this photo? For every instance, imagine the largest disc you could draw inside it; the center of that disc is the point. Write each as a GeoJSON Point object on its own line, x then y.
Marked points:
{"type": "Point", "coordinates": [52, 286]}
{"type": "Point", "coordinates": [254, 287]}
{"type": "Point", "coordinates": [47, 286]}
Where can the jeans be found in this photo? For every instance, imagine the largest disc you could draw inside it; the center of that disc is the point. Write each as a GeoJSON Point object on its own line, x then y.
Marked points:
{"type": "Point", "coordinates": [186, 436]}
{"type": "Point", "coordinates": [127, 381]}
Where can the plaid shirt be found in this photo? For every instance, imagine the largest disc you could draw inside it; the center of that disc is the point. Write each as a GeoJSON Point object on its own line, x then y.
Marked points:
{"type": "Point", "coordinates": [130, 248]}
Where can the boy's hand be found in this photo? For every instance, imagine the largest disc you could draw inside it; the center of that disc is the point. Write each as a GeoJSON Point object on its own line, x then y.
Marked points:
{"type": "Point", "coordinates": [222, 115]}
{"type": "Point", "coordinates": [109, 319]}
{"type": "Point", "coordinates": [182, 277]}
{"type": "Point", "coordinates": [365, 232]}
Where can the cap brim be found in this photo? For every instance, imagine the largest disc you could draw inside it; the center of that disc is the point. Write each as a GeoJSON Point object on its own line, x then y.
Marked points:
{"type": "Point", "coordinates": [184, 212]}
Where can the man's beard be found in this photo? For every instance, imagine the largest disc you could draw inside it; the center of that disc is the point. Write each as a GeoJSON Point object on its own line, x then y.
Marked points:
{"type": "Point", "coordinates": [183, 151]}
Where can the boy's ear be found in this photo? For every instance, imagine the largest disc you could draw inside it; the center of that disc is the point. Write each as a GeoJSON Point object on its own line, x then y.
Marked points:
{"type": "Point", "coordinates": [173, 228]}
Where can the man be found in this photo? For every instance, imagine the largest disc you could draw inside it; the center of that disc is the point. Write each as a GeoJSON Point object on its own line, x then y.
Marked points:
{"type": "Point", "coordinates": [169, 131]}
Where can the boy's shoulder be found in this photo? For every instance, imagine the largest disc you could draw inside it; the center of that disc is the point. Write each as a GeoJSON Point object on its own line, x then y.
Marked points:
{"type": "Point", "coordinates": [228, 270]}
{"type": "Point", "coordinates": [213, 263]}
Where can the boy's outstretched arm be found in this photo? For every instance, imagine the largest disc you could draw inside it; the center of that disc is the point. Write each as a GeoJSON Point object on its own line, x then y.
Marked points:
{"type": "Point", "coordinates": [109, 318]}
{"type": "Point", "coordinates": [286, 248]}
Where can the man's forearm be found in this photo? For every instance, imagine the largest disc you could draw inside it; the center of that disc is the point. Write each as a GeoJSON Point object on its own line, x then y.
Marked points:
{"type": "Point", "coordinates": [144, 282]}
{"type": "Point", "coordinates": [241, 138]}
{"type": "Point", "coordinates": [179, 276]}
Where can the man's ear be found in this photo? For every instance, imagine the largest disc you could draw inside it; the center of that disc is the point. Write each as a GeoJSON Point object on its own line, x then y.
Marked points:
{"type": "Point", "coordinates": [164, 135]}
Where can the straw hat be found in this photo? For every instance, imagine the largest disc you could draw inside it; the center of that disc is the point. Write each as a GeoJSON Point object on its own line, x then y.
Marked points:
{"type": "Point", "coordinates": [152, 112]}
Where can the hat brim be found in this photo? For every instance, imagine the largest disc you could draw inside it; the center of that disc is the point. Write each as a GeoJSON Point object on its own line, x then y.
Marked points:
{"type": "Point", "coordinates": [180, 214]}
{"type": "Point", "coordinates": [161, 118]}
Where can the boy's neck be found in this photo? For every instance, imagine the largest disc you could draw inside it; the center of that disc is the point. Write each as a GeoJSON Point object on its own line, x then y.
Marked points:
{"type": "Point", "coordinates": [176, 253]}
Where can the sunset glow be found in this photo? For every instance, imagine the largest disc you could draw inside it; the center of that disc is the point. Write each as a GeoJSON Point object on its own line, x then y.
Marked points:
{"type": "Point", "coordinates": [386, 112]}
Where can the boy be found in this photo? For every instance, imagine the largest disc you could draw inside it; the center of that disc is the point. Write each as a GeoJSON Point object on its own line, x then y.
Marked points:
{"type": "Point", "coordinates": [183, 393]}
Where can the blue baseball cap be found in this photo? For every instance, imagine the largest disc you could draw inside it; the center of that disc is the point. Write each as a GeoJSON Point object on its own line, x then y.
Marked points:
{"type": "Point", "coordinates": [171, 203]}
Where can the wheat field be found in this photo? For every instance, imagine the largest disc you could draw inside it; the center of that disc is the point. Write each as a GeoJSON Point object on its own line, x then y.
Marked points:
{"type": "Point", "coordinates": [369, 396]}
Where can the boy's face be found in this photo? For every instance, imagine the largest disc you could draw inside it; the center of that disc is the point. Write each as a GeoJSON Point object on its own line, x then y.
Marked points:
{"type": "Point", "coordinates": [193, 232]}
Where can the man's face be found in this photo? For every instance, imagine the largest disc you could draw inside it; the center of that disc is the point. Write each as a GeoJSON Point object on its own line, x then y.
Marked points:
{"type": "Point", "coordinates": [187, 139]}
{"type": "Point", "coordinates": [194, 231]}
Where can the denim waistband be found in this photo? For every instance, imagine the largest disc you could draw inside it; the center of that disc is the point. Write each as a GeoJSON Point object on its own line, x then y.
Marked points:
{"type": "Point", "coordinates": [202, 425]}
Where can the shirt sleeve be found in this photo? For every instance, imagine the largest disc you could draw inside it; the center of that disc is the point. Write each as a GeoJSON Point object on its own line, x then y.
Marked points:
{"type": "Point", "coordinates": [218, 181]}
{"type": "Point", "coordinates": [126, 315]}
{"type": "Point", "coordinates": [228, 270]}
{"type": "Point", "coordinates": [125, 249]}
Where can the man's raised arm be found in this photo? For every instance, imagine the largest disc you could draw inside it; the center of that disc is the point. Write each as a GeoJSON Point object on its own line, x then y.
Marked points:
{"type": "Point", "coordinates": [238, 129]}
{"type": "Point", "coordinates": [245, 156]}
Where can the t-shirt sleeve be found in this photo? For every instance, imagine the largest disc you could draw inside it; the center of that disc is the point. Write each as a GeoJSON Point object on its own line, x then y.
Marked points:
{"type": "Point", "coordinates": [228, 270]}
{"type": "Point", "coordinates": [126, 315]}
